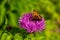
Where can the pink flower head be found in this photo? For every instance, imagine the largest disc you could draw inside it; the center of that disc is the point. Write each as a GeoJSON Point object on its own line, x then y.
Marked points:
{"type": "Point", "coordinates": [30, 26]}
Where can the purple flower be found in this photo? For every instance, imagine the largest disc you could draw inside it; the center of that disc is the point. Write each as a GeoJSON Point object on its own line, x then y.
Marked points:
{"type": "Point", "coordinates": [30, 26]}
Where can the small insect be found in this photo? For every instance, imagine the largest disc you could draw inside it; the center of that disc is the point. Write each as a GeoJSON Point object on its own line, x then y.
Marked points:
{"type": "Point", "coordinates": [36, 16]}
{"type": "Point", "coordinates": [9, 27]}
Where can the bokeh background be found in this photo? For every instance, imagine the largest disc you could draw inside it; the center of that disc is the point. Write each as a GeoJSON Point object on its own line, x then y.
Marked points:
{"type": "Point", "coordinates": [11, 10]}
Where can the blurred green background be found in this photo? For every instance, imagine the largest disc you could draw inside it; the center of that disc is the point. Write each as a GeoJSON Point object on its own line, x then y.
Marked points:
{"type": "Point", "coordinates": [11, 10]}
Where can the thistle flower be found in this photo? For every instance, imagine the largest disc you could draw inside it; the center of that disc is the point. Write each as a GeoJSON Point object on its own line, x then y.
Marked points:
{"type": "Point", "coordinates": [26, 22]}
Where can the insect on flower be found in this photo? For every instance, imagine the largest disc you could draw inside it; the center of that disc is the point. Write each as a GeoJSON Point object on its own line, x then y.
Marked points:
{"type": "Point", "coordinates": [32, 22]}
{"type": "Point", "coordinates": [36, 16]}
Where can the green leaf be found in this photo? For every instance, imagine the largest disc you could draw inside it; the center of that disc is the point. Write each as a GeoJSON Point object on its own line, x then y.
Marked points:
{"type": "Point", "coordinates": [18, 37]}
{"type": "Point", "coordinates": [4, 36]}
